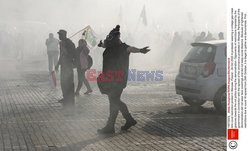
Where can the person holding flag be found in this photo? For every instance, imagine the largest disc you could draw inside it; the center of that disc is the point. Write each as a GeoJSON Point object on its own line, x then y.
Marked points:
{"type": "Point", "coordinates": [82, 64]}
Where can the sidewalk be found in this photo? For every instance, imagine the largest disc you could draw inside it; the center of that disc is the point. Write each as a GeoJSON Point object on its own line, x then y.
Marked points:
{"type": "Point", "coordinates": [31, 119]}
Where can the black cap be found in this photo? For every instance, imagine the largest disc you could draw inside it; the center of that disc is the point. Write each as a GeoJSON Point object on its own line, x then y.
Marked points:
{"type": "Point", "coordinates": [62, 31]}
{"type": "Point", "coordinates": [115, 31]}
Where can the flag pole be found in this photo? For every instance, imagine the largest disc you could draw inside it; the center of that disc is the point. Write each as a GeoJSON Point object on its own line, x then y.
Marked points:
{"type": "Point", "coordinates": [76, 33]}
{"type": "Point", "coordinates": [141, 17]}
{"type": "Point", "coordinates": [79, 31]}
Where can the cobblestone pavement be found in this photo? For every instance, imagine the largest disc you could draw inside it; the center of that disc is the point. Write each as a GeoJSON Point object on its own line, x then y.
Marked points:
{"type": "Point", "coordinates": [31, 119]}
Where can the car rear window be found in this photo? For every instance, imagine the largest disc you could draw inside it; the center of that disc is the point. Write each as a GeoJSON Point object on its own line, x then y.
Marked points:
{"type": "Point", "coordinates": [200, 54]}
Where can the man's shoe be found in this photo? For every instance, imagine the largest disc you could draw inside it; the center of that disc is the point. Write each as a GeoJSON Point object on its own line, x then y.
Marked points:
{"type": "Point", "coordinates": [88, 92]}
{"type": "Point", "coordinates": [106, 130]}
{"type": "Point", "coordinates": [61, 100]}
{"type": "Point", "coordinates": [128, 124]}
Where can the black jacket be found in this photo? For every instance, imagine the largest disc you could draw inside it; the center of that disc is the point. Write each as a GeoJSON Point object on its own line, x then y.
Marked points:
{"type": "Point", "coordinates": [116, 59]}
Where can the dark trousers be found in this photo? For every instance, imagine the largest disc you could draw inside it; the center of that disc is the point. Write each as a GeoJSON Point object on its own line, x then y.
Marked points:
{"type": "Point", "coordinates": [67, 85]}
{"type": "Point", "coordinates": [82, 79]}
{"type": "Point", "coordinates": [116, 105]}
{"type": "Point", "coordinates": [52, 59]}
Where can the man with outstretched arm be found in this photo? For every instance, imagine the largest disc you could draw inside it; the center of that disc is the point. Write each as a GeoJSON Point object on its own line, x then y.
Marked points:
{"type": "Point", "coordinates": [116, 65]}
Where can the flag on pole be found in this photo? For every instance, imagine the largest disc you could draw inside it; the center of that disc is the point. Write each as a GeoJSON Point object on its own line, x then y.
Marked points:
{"type": "Point", "coordinates": [144, 16]}
{"type": "Point", "coordinates": [89, 35]}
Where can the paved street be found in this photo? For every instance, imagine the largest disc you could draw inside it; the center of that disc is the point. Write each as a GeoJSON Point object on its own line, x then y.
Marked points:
{"type": "Point", "coordinates": [31, 119]}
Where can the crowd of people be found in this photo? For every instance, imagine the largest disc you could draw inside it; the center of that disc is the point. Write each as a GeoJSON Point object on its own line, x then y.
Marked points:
{"type": "Point", "coordinates": [115, 58]}
{"type": "Point", "coordinates": [62, 53]}
{"type": "Point", "coordinates": [180, 44]}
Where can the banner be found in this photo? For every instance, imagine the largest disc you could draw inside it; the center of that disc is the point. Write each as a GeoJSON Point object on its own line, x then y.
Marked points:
{"type": "Point", "coordinates": [89, 35]}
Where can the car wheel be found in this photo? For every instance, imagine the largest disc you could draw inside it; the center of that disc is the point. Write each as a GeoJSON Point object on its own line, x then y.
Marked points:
{"type": "Point", "coordinates": [220, 100]}
{"type": "Point", "coordinates": [193, 102]}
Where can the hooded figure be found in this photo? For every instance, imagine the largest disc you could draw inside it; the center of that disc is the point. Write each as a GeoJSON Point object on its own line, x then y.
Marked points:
{"type": "Point", "coordinates": [113, 79]}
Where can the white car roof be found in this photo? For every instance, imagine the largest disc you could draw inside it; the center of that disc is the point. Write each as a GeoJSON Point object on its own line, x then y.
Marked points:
{"type": "Point", "coordinates": [212, 42]}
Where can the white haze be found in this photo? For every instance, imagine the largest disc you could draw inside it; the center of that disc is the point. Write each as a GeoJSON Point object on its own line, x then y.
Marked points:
{"type": "Point", "coordinates": [32, 20]}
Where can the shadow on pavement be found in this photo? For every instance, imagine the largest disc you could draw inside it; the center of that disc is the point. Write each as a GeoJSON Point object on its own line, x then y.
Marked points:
{"type": "Point", "coordinates": [82, 144]}
{"type": "Point", "coordinates": [186, 121]}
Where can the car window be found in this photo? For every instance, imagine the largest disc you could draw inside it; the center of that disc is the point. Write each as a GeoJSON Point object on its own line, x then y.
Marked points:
{"type": "Point", "coordinates": [200, 54]}
{"type": "Point", "coordinates": [225, 53]}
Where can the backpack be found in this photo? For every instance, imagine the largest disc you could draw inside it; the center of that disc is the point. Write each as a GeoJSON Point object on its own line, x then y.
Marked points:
{"type": "Point", "coordinates": [90, 61]}
{"type": "Point", "coordinates": [104, 86]}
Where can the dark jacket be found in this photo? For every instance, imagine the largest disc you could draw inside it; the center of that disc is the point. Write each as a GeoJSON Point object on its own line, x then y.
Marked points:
{"type": "Point", "coordinates": [67, 52]}
{"type": "Point", "coordinates": [115, 59]}
{"type": "Point", "coordinates": [85, 50]}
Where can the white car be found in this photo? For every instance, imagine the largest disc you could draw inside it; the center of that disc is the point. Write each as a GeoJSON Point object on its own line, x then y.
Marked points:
{"type": "Point", "coordinates": [202, 74]}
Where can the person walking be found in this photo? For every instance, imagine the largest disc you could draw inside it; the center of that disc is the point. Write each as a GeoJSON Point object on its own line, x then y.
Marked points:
{"type": "Point", "coordinates": [209, 37]}
{"type": "Point", "coordinates": [52, 45]}
{"type": "Point", "coordinates": [82, 52]}
{"type": "Point", "coordinates": [115, 67]}
{"type": "Point", "coordinates": [66, 59]}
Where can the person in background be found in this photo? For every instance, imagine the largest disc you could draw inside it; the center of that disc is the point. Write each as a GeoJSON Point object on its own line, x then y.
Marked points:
{"type": "Point", "coordinates": [221, 36]}
{"type": "Point", "coordinates": [201, 37]}
{"type": "Point", "coordinates": [52, 51]}
{"type": "Point", "coordinates": [116, 64]}
{"type": "Point", "coordinates": [66, 61]}
{"type": "Point", "coordinates": [82, 52]}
